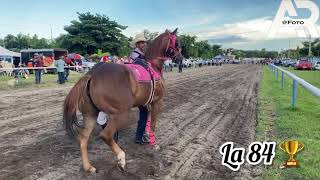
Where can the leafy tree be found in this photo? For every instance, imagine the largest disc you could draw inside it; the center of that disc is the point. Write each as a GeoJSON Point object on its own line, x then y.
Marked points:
{"type": "Point", "coordinates": [125, 48]}
{"type": "Point", "coordinates": [93, 32]}
{"type": "Point", "coordinates": [263, 53]}
{"type": "Point", "coordinates": [239, 54]}
{"type": "Point", "coordinates": [16, 43]}
{"type": "Point", "coordinates": [193, 48]}
{"type": "Point", "coordinates": [22, 41]}
{"type": "Point", "coordinates": [150, 35]}
{"type": "Point", "coordinates": [204, 49]}
{"type": "Point", "coordinates": [37, 43]}
{"type": "Point", "coordinates": [216, 50]}
{"type": "Point", "coordinates": [188, 45]}
{"type": "Point", "coordinates": [2, 42]}
{"type": "Point", "coordinates": [10, 42]}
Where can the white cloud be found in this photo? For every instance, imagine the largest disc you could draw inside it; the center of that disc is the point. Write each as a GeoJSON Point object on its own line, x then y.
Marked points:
{"type": "Point", "coordinates": [252, 30]}
{"type": "Point", "coordinates": [183, 25]}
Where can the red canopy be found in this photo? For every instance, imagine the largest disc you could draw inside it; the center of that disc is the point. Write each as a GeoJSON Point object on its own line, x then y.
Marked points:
{"type": "Point", "coordinates": [74, 56]}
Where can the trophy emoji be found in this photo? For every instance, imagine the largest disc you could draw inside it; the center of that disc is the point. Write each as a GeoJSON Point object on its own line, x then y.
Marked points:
{"type": "Point", "coordinates": [291, 147]}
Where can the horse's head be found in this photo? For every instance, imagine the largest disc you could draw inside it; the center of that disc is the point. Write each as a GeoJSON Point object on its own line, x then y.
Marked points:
{"type": "Point", "coordinates": [173, 50]}
{"type": "Point", "coordinates": [165, 46]}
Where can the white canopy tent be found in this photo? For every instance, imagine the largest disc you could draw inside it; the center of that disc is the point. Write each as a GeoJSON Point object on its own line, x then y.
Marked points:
{"type": "Point", "coordinates": [7, 55]}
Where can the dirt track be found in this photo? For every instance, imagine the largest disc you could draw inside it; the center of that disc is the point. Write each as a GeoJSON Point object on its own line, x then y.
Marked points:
{"type": "Point", "coordinates": [203, 108]}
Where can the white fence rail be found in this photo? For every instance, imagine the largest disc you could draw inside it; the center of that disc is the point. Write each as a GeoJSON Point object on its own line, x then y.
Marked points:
{"type": "Point", "coordinates": [295, 82]}
{"type": "Point", "coordinates": [33, 68]}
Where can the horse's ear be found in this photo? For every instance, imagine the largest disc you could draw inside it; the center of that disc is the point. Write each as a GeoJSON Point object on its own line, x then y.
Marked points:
{"type": "Point", "coordinates": [175, 31]}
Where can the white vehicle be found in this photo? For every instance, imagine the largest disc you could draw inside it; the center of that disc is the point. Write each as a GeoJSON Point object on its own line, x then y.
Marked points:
{"type": "Point", "coordinates": [236, 61]}
{"type": "Point", "coordinates": [200, 62]}
{"type": "Point", "coordinates": [316, 66]}
{"type": "Point", "coordinates": [87, 65]}
{"type": "Point", "coordinates": [187, 63]}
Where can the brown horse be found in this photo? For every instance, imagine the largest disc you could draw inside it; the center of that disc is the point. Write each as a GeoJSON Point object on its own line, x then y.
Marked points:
{"type": "Point", "coordinates": [112, 88]}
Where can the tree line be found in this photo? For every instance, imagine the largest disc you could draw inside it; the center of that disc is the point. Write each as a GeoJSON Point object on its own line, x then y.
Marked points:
{"type": "Point", "coordinates": [94, 32]}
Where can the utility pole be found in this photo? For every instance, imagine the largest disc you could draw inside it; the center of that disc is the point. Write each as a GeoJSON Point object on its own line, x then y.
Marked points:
{"type": "Point", "coordinates": [289, 50]}
{"type": "Point", "coordinates": [310, 53]}
{"type": "Point", "coordinates": [51, 34]}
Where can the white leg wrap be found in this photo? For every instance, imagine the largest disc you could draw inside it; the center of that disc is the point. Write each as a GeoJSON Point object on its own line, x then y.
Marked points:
{"type": "Point", "coordinates": [121, 159]}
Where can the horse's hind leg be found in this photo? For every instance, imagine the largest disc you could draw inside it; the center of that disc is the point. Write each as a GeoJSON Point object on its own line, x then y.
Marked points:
{"type": "Point", "coordinates": [107, 135]}
{"type": "Point", "coordinates": [89, 124]}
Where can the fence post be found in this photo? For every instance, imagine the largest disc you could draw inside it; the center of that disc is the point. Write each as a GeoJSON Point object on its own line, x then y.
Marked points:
{"type": "Point", "coordinates": [294, 94]}
{"type": "Point", "coordinates": [277, 74]}
{"type": "Point", "coordinates": [282, 79]}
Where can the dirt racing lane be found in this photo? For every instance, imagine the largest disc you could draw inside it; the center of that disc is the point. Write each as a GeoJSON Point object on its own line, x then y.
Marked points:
{"type": "Point", "coordinates": [203, 108]}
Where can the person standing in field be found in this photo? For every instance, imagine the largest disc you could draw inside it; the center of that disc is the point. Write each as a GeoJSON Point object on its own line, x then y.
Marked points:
{"type": "Point", "coordinates": [38, 63]}
{"type": "Point", "coordinates": [16, 63]}
{"type": "Point", "coordinates": [60, 69]}
{"type": "Point", "coordinates": [69, 63]}
{"type": "Point", "coordinates": [180, 66]}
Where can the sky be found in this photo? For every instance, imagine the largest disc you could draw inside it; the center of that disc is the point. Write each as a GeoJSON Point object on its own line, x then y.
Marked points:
{"type": "Point", "coordinates": [240, 24]}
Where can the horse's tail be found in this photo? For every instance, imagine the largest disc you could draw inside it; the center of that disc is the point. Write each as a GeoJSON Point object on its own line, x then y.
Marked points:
{"type": "Point", "coordinates": [73, 101]}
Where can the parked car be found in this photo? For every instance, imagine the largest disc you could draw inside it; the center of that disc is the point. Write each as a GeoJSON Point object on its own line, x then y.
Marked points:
{"type": "Point", "coordinates": [207, 62]}
{"type": "Point", "coordinates": [217, 62]}
{"type": "Point", "coordinates": [316, 65]}
{"type": "Point", "coordinates": [303, 65]}
{"type": "Point", "coordinates": [187, 63]}
{"type": "Point", "coordinates": [236, 61]}
{"type": "Point", "coordinates": [200, 62]}
{"type": "Point", "coordinates": [87, 65]}
{"type": "Point", "coordinates": [277, 62]}
{"type": "Point", "coordinates": [289, 63]}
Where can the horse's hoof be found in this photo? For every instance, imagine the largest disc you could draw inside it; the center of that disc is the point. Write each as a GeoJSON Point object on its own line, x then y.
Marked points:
{"type": "Point", "coordinates": [92, 170]}
{"type": "Point", "coordinates": [121, 160]}
{"type": "Point", "coordinates": [121, 167]}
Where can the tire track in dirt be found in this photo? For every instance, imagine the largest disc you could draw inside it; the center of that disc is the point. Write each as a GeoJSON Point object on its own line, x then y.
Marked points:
{"type": "Point", "coordinates": [185, 163]}
{"type": "Point", "coordinates": [238, 129]}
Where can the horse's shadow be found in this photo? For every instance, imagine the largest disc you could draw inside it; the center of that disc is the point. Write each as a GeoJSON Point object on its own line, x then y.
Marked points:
{"type": "Point", "coordinates": [141, 161]}
{"type": "Point", "coordinates": [116, 174]}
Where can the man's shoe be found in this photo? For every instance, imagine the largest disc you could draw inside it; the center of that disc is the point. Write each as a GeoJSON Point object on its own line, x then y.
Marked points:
{"type": "Point", "coordinates": [145, 138]}
{"type": "Point", "coordinates": [141, 142]}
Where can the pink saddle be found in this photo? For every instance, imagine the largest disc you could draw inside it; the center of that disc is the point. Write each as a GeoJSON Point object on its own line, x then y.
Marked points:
{"type": "Point", "coordinates": [141, 74]}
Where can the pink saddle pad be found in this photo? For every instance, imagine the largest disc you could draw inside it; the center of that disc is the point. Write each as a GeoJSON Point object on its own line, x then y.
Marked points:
{"type": "Point", "coordinates": [141, 74]}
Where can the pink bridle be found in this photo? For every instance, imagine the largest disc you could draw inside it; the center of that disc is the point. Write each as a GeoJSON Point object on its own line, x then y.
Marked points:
{"type": "Point", "coordinates": [171, 49]}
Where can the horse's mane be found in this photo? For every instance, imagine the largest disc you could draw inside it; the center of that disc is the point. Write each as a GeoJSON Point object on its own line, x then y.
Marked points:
{"type": "Point", "coordinates": [157, 47]}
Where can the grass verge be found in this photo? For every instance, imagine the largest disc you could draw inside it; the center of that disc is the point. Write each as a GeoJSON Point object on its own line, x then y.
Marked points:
{"type": "Point", "coordinates": [48, 80]}
{"type": "Point", "coordinates": [277, 121]}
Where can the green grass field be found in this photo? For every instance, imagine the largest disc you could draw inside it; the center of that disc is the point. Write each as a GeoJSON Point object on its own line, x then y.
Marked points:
{"type": "Point", "coordinates": [277, 121]}
{"type": "Point", "coordinates": [313, 77]}
{"type": "Point", "coordinates": [48, 80]}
